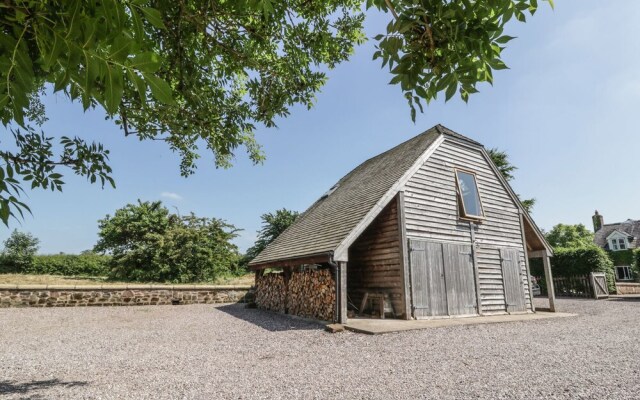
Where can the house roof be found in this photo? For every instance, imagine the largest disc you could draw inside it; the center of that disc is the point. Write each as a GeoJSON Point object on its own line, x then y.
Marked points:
{"type": "Point", "coordinates": [341, 213]}
{"type": "Point", "coordinates": [628, 227]}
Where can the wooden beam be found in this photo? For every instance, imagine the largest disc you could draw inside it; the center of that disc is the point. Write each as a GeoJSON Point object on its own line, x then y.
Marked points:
{"type": "Point", "coordinates": [549, 278]}
{"type": "Point", "coordinates": [341, 297]}
{"type": "Point", "coordinates": [526, 261]}
{"type": "Point", "coordinates": [294, 262]}
{"type": "Point", "coordinates": [404, 256]}
{"type": "Point", "coordinates": [476, 272]}
{"type": "Point", "coordinates": [539, 254]}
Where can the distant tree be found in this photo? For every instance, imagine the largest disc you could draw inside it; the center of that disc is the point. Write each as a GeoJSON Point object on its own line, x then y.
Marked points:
{"type": "Point", "coordinates": [570, 236]}
{"type": "Point", "coordinates": [207, 74]}
{"type": "Point", "coordinates": [147, 243]}
{"type": "Point", "coordinates": [19, 251]}
{"type": "Point", "coordinates": [273, 224]}
{"type": "Point", "coordinates": [501, 160]}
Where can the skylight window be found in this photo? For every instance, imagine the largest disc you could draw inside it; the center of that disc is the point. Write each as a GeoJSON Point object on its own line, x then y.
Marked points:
{"type": "Point", "coordinates": [468, 196]}
{"type": "Point", "coordinates": [328, 192]}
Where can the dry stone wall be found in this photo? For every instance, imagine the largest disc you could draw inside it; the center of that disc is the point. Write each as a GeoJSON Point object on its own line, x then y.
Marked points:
{"type": "Point", "coordinates": [310, 294]}
{"type": "Point", "coordinates": [76, 296]}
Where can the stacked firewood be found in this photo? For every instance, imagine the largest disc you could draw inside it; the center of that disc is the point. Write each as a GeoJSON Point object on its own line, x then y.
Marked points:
{"type": "Point", "coordinates": [271, 292]}
{"type": "Point", "coordinates": [312, 294]}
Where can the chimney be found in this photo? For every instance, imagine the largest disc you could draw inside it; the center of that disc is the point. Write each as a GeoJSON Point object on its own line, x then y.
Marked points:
{"type": "Point", "coordinates": [598, 221]}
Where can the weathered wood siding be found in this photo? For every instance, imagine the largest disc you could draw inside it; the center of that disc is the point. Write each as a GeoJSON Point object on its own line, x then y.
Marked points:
{"type": "Point", "coordinates": [431, 213]}
{"type": "Point", "coordinates": [375, 260]}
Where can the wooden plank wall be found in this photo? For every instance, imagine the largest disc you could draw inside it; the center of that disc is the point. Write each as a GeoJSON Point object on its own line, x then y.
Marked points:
{"type": "Point", "coordinates": [375, 260]}
{"type": "Point", "coordinates": [431, 213]}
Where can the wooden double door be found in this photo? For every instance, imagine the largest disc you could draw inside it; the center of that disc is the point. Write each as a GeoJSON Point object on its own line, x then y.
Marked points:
{"type": "Point", "coordinates": [442, 279]}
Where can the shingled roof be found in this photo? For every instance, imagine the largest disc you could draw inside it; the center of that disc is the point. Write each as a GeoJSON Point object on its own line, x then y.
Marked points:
{"type": "Point", "coordinates": [337, 217]}
{"type": "Point", "coordinates": [628, 227]}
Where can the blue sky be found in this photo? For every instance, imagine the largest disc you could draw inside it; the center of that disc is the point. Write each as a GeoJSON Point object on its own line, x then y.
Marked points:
{"type": "Point", "coordinates": [567, 112]}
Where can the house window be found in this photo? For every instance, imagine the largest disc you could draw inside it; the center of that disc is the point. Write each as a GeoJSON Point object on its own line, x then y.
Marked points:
{"type": "Point", "coordinates": [618, 244]}
{"type": "Point", "coordinates": [468, 196]}
{"type": "Point", "coordinates": [622, 245]}
{"type": "Point", "coordinates": [623, 273]}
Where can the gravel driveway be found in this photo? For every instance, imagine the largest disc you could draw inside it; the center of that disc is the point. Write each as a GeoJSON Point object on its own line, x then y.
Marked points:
{"type": "Point", "coordinates": [229, 352]}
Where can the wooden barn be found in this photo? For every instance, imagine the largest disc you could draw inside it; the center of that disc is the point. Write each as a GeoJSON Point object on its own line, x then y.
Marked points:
{"type": "Point", "coordinates": [428, 229]}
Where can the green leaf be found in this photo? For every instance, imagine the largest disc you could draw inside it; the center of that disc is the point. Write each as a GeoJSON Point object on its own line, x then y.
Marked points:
{"type": "Point", "coordinates": [153, 16]}
{"type": "Point", "coordinates": [139, 83]}
{"type": "Point", "coordinates": [504, 39]}
{"type": "Point", "coordinates": [451, 90]}
{"type": "Point", "coordinates": [120, 47]}
{"type": "Point", "coordinates": [54, 53]}
{"type": "Point", "coordinates": [145, 62]}
{"type": "Point", "coordinates": [113, 88]}
{"type": "Point", "coordinates": [160, 89]}
{"type": "Point", "coordinates": [4, 212]}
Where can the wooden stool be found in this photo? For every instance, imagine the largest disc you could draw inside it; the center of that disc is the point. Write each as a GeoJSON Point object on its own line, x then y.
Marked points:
{"type": "Point", "coordinates": [384, 301]}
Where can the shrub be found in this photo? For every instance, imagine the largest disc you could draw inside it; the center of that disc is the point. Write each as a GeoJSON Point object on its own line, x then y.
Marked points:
{"type": "Point", "coordinates": [19, 250]}
{"type": "Point", "coordinates": [89, 264]}
{"type": "Point", "coordinates": [635, 265]}
{"type": "Point", "coordinates": [148, 244]}
{"type": "Point", "coordinates": [568, 262]}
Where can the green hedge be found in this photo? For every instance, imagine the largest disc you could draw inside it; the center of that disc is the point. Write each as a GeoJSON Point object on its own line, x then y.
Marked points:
{"type": "Point", "coordinates": [578, 262]}
{"type": "Point", "coordinates": [622, 257]}
{"type": "Point", "coordinates": [69, 265]}
{"type": "Point", "coordinates": [635, 265]}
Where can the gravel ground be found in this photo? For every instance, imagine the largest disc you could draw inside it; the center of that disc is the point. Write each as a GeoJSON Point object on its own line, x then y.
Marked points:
{"type": "Point", "coordinates": [229, 352]}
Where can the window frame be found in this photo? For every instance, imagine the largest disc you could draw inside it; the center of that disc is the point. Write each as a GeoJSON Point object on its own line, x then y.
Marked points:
{"type": "Point", "coordinates": [628, 273]}
{"type": "Point", "coordinates": [462, 212]}
{"type": "Point", "coordinates": [618, 242]}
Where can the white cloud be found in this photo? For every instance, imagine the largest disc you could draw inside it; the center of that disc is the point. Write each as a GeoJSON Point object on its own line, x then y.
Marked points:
{"type": "Point", "coordinates": [171, 195]}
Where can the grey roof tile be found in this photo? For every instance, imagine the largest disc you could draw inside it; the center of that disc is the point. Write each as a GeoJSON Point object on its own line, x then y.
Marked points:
{"type": "Point", "coordinates": [329, 220]}
{"type": "Point", "coordinates": [630, 227]}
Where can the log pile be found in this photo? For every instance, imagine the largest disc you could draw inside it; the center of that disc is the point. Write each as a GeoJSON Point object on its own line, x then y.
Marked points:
{"type": "Point", "coordinates": [271, 292]}
{"type": "Point", "coordinates": [312, 294]}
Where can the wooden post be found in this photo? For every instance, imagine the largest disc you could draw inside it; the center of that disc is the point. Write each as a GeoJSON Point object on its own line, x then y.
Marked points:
{"type": "Point", "coordinates": [404, 256]}
{"type": "Point", "coordinates": [476, 272]}
{"type": "Point", "coordinates": [341, 297]}
{"type": "Point", "coordinates": [259, 274]}
{"type": "Point", "coordinates": [546, 260]}
{"type": "Point", "coordinates": [526, 262]}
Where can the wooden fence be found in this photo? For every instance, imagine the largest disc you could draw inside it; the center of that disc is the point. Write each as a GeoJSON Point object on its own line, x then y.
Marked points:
{"type": "Point", "coordinates": [578, 286]}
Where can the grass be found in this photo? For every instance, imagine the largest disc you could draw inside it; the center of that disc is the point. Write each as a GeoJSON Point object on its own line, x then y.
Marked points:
{"type": "Point", "coordinates": [23, 279]}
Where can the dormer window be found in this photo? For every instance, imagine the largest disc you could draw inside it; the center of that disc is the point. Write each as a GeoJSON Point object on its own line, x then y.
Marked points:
{"type": "Point", "coordinates": [469, 202]}
{"type": "Point", "coordinates": [617, 241]}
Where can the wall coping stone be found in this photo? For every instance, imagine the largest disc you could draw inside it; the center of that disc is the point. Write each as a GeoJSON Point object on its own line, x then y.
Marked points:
{"type": "Point", "coordinates": [124, 287]}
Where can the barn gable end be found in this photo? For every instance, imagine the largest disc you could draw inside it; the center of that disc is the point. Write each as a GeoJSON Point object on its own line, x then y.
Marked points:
{"type": "Point", "coordinates": [431, 212]}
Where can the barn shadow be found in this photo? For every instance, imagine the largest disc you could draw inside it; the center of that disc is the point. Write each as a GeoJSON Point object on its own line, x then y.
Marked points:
{"type": "Point", "coordinates": [268, 320]}
{"type": "Point", "coordinates": [28, 390]}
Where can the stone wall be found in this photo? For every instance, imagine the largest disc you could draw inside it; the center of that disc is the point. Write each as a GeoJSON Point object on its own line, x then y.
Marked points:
{"type": "Point", "coordinates": [129, 295]}
{"type": "Point", "coordinates": [627, 288]}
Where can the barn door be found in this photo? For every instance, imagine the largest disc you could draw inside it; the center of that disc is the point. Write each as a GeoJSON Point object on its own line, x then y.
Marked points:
{"type": "Point", "coordinates": [459, 277]}
{"type": "Point", "coordinates": [442, 279]}
{"type": "Point", "coordinates": [513, 280]}
{"type": "Point", "coordinates": [427, 279]}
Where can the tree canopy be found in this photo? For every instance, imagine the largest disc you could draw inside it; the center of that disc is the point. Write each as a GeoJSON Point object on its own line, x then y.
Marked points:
{"type": "Point", "coordinates": [273, 224]}
{"type": "Point", "coordinates": [200, 74]}
{"type": "Point", "coordinates": [570, 236]}
{"type": "Point", "coordinates": [501, 160]}
{"type": "Point", "coordinates": [19, 251]}
{"type": "Point", "coordinates": [149, 244]}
